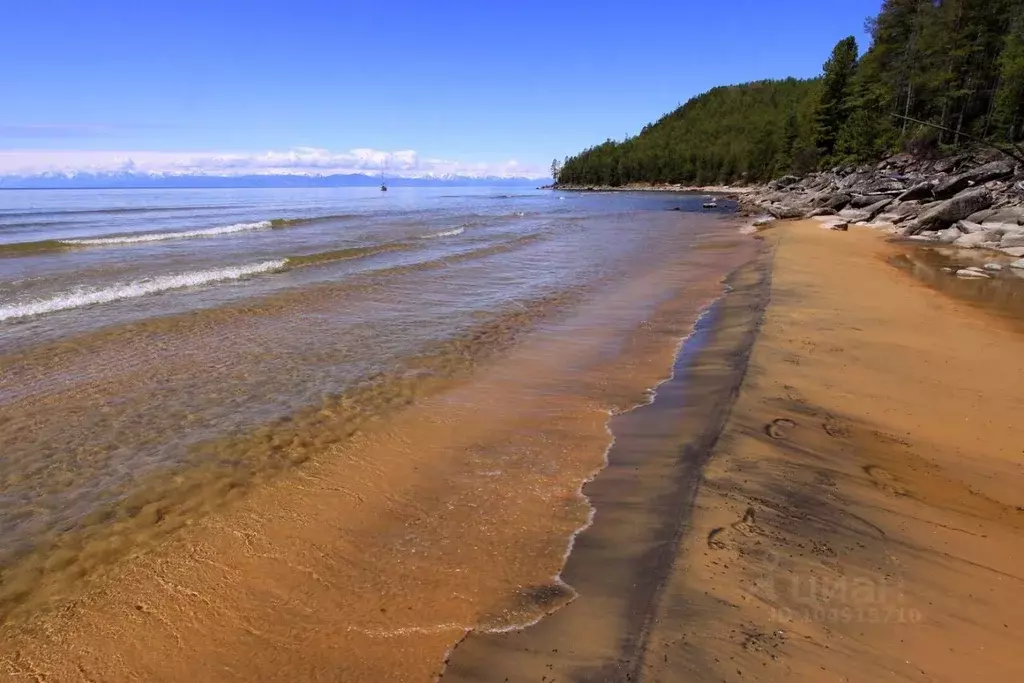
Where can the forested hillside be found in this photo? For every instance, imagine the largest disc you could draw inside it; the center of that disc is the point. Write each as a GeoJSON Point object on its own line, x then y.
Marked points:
{"type": "Point", "coordinates": [958, 64]}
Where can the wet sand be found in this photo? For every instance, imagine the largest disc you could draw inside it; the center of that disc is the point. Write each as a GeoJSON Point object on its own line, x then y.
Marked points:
{"type": "Point", "coordinates": [448, 513]}
{"type": "Point", "coordinates": [643, 502]}
{"type": "Point", "coordinates": [862, 517]}
{"type": "Point", "coordinates": [859, 517]}
{"type": "Point", "coordinates": [827, 489]}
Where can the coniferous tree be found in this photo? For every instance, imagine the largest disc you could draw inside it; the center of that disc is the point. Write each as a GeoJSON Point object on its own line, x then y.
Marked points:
{"type": "Point", "coordinates": [790, 141]}
{"type": "Point", "coordinates": [833, 103]}
{"type": "Point", "coordinates": [955, 63]}
{"type": "Point", "coordinates": [1008, 101]}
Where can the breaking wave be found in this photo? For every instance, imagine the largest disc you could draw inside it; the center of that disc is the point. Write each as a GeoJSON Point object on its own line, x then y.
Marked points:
{"type": "Point", "coordinates": [82, 297]}
{"type": "Point", "coordinates": [309, 220]}
{"type": "Point", "coordinates": [445, 233]}
{"type": "Point", "coordinates": [161, 236]}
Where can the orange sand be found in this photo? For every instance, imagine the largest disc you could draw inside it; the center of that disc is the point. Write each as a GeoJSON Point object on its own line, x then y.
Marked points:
{"type": "Point", "coordinates": [878, 535]}
{"type": "Point", "coordinates": [375, 557]}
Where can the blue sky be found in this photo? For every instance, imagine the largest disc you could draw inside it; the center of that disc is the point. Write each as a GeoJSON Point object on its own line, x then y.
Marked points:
{"type": "Point", "coordinates": [456, 84]}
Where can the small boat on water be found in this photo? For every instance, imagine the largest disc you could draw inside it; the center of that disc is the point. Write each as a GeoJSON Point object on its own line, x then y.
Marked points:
{"type": "Point", "coordinates": [383, 185]}
{"type": "Point", "coordinates": [710, 203]}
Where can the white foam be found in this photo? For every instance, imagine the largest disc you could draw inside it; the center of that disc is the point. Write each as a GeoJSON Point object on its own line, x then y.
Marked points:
{"type": "Point", "coordinates": [649, 396]}
{"type": "Point", "coordinates": [404, 631]}
{"type": "Point", "coordinates": [446, 233]}
{"type": "Point", "coordinates": [84, 297]}
{"type": "Point", "coordinates": [161, 236]}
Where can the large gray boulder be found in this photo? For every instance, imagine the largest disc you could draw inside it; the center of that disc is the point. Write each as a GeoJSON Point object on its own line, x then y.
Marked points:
{"type": "Point", "coordinates": [867, 214]}
{"type": "Point", "coordinates": [855, 215]}
{"type": "Point", "coordinates": [977, 239]}
{"type": "Point", "coordinates": [783, 211]}
{"type": "Point", "coordinates": [820, 211]}
{"type": "Point", "coordinates": [838, 201]}
{"type": "Point", "coordinates": [906, 210]}
{"type": "Point", "coordinates": [877, 208]}
{"type": "Point", "coordinates": [1007, 214]}
{"type": "Point", "coordinates": [949, 235]}
{"type": "Point", "coordinates": [994, 170]}
{"type": "Point", "coordinates": [947, 187]}
{"type": "Point", "coordinates": [857, 182]}
{"type": "Point", "coordinates": [867, 200]}
{"type": "Point", "coordinates": [784, 181]}
{"type": "Point", "coordinates": [982, 216]}
{"type": "Point", "coordinates": [944, 214]}
{"type": "Point", "coordinates": [813, 182]}
{"type": "Point", "coordinates": [1012, 239]}
{"type": "Point", "coordinates": [892, 186]}
{"type": "Point", "coordinates": [967, 226]}
{"type": "Point", "coordinates": [948, 164]}
{"type": "Point", "coordinates": [919, 191]}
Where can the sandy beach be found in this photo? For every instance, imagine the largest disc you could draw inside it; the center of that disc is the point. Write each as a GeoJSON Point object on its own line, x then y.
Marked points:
{"type": "Point", "coordinates": [859, 518]}
{"type": "Point", "coordinates": [434, 499]}
{"type": "Point", "coordinates": [825, 486]}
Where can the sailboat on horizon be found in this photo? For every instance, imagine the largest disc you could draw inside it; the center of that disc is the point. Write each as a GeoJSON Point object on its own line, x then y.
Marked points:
{"type": "Point", "coordinates": [383, 184]}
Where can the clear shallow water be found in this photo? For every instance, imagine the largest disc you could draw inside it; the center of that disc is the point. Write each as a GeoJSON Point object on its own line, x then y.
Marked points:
{"type": "Point", "coordinates": [163, 350]}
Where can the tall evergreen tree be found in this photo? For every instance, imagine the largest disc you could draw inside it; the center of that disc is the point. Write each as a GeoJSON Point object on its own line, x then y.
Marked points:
{"type": "Point", "coordinates": [1008, 101]}
{"type": "Point", "coordinates": [893, 66]}
{"type": "Point", "coordinates": [835, 91]}
{"type": "Point", "coordinates": [955, 63]}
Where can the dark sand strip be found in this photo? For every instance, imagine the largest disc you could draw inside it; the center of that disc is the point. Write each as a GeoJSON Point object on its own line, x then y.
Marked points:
{"type": "Point", "coordinates": [374, 556]}
{"type": "Point", "coordinates": [643, 498]}
{"type": "Point", "coordinates": [861, 518]}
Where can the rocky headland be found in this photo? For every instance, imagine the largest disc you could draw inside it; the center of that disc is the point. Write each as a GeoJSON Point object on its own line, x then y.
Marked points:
{"type": "Point", "coordinates": [974, 200]}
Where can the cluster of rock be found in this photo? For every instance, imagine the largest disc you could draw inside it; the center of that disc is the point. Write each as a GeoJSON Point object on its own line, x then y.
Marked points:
{"type": "Point", "coordinates": [973, 200]}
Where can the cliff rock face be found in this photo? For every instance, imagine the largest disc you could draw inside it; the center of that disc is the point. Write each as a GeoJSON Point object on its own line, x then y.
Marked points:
{"type": "Point", "coordinates": [947, 200]}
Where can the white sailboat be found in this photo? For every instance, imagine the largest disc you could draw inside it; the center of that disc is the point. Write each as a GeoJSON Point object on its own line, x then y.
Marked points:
{"type": "Point", "coordinates": [383, 184]}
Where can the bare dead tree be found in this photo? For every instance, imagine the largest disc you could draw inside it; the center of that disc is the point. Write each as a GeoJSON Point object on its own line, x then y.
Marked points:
{"type": "Point", "coordinates": [1016, 153]}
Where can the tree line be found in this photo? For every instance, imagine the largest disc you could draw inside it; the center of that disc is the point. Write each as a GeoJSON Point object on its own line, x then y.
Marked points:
{"type": "Point", "coordinates": [956, 64]}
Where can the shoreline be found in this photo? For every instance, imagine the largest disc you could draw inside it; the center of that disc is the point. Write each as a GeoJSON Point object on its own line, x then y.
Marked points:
{"type": "Point", "coordinates": [734, 190]}
{"type": "Point", "coordinates": [784, 460]}
{"type": "Point", "coordinates": [789, 565]}
{"type": "Point", "coordinates": [641, 500]}
{"type": "Point", "coordinates": [369, 564]}
{"type": "Point", "coordinates": [846, 528]}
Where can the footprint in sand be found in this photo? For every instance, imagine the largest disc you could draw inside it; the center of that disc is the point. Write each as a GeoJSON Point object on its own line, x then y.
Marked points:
{"type": "Point", "coordinates": [779, 428]}
{"type": "Point", "coordinates": [885, 481]}
{"type": "Point", "coordinates": [836, 429]}
{"type": "Point", "coordinates": [746, 525]}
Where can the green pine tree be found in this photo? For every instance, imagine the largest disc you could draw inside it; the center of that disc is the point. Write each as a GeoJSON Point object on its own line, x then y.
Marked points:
{"type": "Point", "coordinates": [833, 102]}
{"type": "Point", "coordinates": [1008, 105]}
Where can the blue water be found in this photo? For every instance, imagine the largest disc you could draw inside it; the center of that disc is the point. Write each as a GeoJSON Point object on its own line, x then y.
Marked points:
{"type": "Point", "coordinates": [137, 326]}
{"type": "Point", "coordinates": [62, 251]}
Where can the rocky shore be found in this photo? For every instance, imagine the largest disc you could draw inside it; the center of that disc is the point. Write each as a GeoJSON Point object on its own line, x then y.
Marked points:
{"type": "Point", "coordinates": [730, 190]}
{"type": "Point", "coordinates": [973, 201]}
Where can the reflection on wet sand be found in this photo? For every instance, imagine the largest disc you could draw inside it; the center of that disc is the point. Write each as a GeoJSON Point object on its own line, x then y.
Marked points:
{"type": "Point", "coordinates": [642, 500]}
{"type": "Point", "coordinates": [1001, 293]}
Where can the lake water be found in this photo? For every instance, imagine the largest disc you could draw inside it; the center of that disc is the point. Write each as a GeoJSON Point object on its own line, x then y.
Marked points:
{"type": "Point", "coordinates": [162, 351]}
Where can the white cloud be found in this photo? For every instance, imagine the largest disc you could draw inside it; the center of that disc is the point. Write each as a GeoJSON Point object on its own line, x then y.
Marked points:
{"type": "Point", "coordinates": [300, 160]}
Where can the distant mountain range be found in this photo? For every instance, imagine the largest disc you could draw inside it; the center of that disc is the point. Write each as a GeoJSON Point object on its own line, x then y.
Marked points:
{"type": "Point", "coordinates": [80, 180]}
